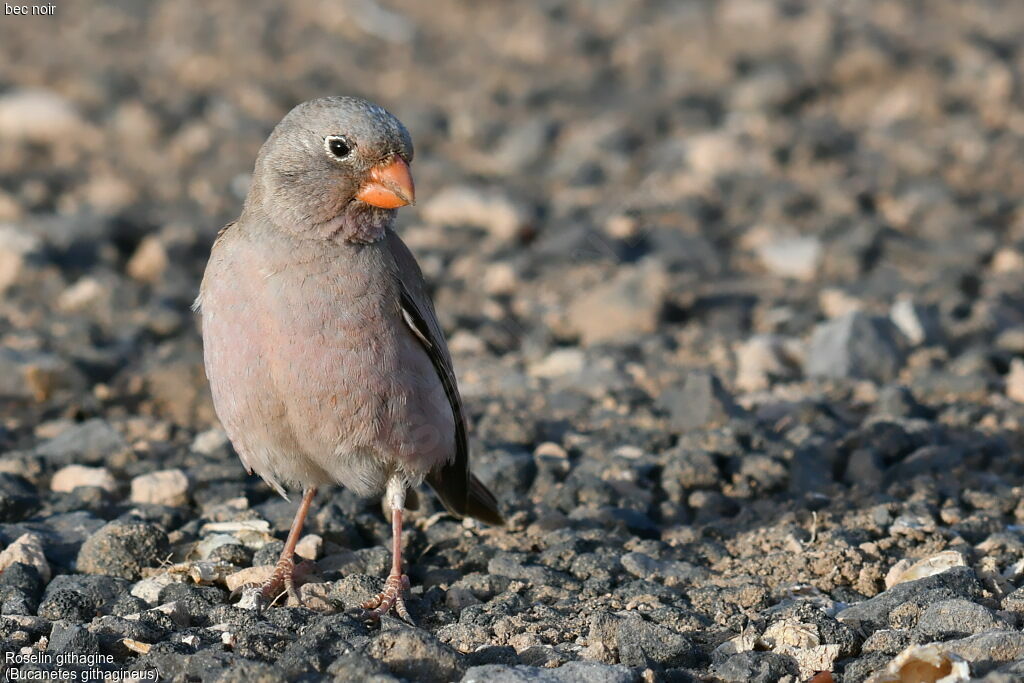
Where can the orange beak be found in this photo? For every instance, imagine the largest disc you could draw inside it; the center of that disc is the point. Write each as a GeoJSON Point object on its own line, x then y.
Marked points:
{"type": "Point", "coordinates": [389, 185]}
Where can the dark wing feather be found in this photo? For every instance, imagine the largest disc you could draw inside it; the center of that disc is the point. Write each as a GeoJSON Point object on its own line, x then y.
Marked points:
{"type": "Point", "coordinates": [458, 489]}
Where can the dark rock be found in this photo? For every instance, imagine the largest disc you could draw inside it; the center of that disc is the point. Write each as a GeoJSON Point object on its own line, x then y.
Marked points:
{"type": "Point", "coordinates": [253, 672]}
{"type": "Point", "coordinates": [268, 554]}
{"type": "Point", "coordinates": [67, 605]}
{"type": "Point", "coordinates": [928, 459]}
{"type": "Point", "coordinates": [67, 637]}
{"type": "Point", "coordinates": [173, 660]}
{"type": "Point", "coordinates": [643, 644]}
{"type": "Point", "coordinates": [873, 614]}
{"type": "Point", "coordinates": [101, 591]}
{"type": "Point", "coordinates": [956, 618]}
{"type": "Point", "coordinates": [14, 601]}
{"type": "Point", "coordinates": [865, 467]}
{"type": "Point", "coordinates": [687, 469]}
{"type": "Point", "coordinates": [20, 589]}
{"type": "Point", "coordinates": [356, 666]}
{"type": "Point", "coordinates": [128, 604]}
{"type": "Point", "coordinates": [507, 473]}
{"type": "Point", "coordinates": [321, 644]}
{"type": "Point", "coordinates": [123, 549]}
{"type": "Point", "coordinates": [111, 631]}
{"type": "Point", "coordinates": [1014, 603]}
{"type": "Point", "coordinates": [263, 641]}
{"type": "Point", "coordinates": [985, 649]}
{"type": "Point", "coordinates": [646, 567]}
{"type": "Point", "coordinates": [195, 601]}
{"type": "Point", "coordinates": [92, 442]}
{"type": "Point", "coordinates": [570, 672]}
{"type": "Point", "coordinates": [416, 654]}
{"type": "Point", "coordinates": [24, 578]}
{"type": "Point", "coordinates": [18, 498]}
{"type": "Point", "coordinates": [898, 401]}
{"type": "Point", "coordinates": [495, 654]}
{"type": "Point", "coordinates": [756, 667]}
{"type": "Point", "coordinates": [860, 669]}
{"type": "Point", "coordinates": [887, 641]}
{"type": "Point", "coordinates": [512, 566]}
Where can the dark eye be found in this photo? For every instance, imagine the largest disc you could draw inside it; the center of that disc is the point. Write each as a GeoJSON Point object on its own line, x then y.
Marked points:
{"type": "Point", "coordinates": [338, 146]}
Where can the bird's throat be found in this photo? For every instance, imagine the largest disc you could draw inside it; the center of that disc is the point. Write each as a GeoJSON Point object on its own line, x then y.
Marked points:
{"type": "Point", "coordinates": [358, 223]}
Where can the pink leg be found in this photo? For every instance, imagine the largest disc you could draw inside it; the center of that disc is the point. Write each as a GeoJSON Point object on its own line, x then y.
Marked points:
{"type": "Point", "coordinates": [397, 582]}
{"type": "Point", "coordinates": [284, 576]}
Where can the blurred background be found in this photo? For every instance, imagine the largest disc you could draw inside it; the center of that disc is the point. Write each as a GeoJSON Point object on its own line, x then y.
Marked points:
{"type": "Point", "coordinates": [708, 269]}
{"type": "Point", "coordinates": [681, 174]}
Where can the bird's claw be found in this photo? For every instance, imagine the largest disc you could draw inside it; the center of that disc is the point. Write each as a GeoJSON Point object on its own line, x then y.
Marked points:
{"type": "Point", "coordinates": [285, 580]}
{"type": "Point", "coordinates": [389, 599]}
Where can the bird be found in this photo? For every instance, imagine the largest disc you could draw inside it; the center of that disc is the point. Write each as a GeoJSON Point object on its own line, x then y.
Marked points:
{"type": "Point", "coordinates": [324, 355]}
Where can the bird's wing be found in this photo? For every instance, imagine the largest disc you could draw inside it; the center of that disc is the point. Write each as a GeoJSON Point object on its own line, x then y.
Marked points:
{"type": "Point", "coordinates": [198, 303]}
{"type": "Point", "coordinates": [460, 491]}
{"type": "Point", "coordinates": [452, 480]}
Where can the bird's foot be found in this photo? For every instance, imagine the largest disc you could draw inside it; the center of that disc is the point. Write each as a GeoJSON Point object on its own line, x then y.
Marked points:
{"type": "Point", "coordinates": [389, 599]}
{"type": "Point", "coordinates": [285, 580]}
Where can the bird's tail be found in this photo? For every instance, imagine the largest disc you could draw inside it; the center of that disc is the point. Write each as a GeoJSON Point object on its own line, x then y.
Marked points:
{"type": "Point", "coordinates": [481, 503]}
{"type": "Point", "coordinates": [478, 502]}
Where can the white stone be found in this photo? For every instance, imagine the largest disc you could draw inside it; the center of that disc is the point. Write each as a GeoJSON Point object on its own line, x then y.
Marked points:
{"type": "Point", "coordinates": [36, 115]}
{"type": "Point", "coordinates": [27, 549]}
{"type": "Point", "coordinates": [559, 362]}
{"type": "Point", "coordinates": [149, 589]}
{"type": "Point", "coordinates": [763, 357]}
{"type": "Point", "coordinates": [1015, 381]}
{"type": "Point", "coordinates": [907, 570]}
{"type": "Point", "coordinates": [210, 441]}
{"type": "Point", "coordinates": [167, 487]}
{"type": "Point", "coordinates": [15, 246]}
{"type": "Point", "coordinates": [490, 209]}
{"type": "Point", "coordinates": [149, 261]}
{"type": "Point", "coordinates": [82, 294]}
{"type": "Point", "coordinates": [309, 546]}
{"type": "Point", "coordinates": [72, 476]}
{"type": "Point", "coordinates": [793, 257]}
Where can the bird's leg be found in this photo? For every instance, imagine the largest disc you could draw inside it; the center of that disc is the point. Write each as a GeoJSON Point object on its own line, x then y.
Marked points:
{"type": "Point", "coordinates": [391, 597]}
{"type": "Point", "coordinates": [285, 574]}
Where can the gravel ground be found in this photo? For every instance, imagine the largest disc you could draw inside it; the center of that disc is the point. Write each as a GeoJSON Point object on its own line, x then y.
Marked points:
{"type": "Point", "coordinates": [733, 290]}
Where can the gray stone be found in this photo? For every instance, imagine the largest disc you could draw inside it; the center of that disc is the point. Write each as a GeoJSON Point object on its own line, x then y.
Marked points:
{"type": "Point", "coordinates": [89, 443]}
{"type": "Point", "coordinates": [18, 498]}
{"type": "Point", "coordinates": [415, 654]}
{"type": "Point", "coordinates": [756, 667]}
{"type": "Point", "coordinates": [858, 346]}
{"type": "Point", "coordinates": [702, 401]}
{"type": "Point", "coordinates": [36, 375]}
{"type": "Point", "coordinates": [66, 637]}
{"type": "Point", "coordinates": [570, 672]}
{"type": "Point", "coordinates": [873, 614]}
{"type": "Point", "coordinates": [994, 646]}
{"type": "Point", "coordinates": [627, 306]}
{"type": "Point", "coordinates": [956, 618]}
{"type": "Point", "coordinates": [642, 644]}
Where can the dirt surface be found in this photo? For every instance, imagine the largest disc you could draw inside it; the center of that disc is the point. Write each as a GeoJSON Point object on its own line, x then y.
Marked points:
{"type": "Point", "coordinates": [733, 291]}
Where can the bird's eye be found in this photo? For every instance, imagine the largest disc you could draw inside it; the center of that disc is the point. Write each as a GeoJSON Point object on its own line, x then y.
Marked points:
{"type": "Point", "coordinates": [338, 146]}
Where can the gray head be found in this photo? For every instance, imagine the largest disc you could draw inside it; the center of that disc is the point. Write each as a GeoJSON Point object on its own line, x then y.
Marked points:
{"type": "Point", "coordinates": [335, 167]}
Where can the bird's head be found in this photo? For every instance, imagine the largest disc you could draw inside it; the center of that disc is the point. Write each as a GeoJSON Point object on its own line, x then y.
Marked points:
{"type": "Point", "coordinates": [334, 168]}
